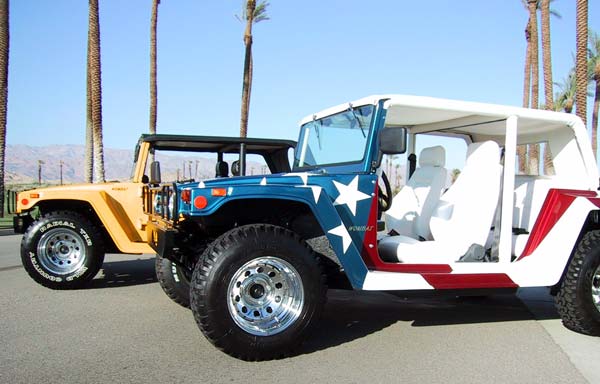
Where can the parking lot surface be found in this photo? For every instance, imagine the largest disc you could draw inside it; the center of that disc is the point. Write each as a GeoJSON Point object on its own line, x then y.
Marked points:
{"type": "Point", "coordinates": [124, 329]}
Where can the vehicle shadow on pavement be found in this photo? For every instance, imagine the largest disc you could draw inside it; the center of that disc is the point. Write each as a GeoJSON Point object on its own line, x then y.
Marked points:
{"type": "Point", "coordinates": [351, 315]}
{"type": "Point", "coordinates": [115, 274]}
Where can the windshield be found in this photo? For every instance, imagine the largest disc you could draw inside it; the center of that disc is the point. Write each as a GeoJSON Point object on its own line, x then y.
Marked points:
{"type": "Point", "coordinates": [136, 153]}
{"type": "Point", "coordinates": [335, 139]}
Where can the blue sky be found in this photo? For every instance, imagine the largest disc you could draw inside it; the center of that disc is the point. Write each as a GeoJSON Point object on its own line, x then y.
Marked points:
{"type": "Point", "coordinates": [309, 56]}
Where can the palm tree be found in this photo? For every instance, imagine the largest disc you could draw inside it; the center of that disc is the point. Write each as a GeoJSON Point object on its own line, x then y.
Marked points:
{"type": "Point", "coordinates": [581, 73]}
{"type": "Point", "coordinates": [565, 98]}
{"type": "Point", "coordinates": [547, 65]}
{"type": "Point", "coordinates": [89, 126]}
{"type": "Point", "coordinates": [594, 71]}
{"type": "Point", "coordinates": [546, 51]}
{"type": "Point", "coordinates": [531, 84]}
{"type": "Point", "coordinates": [4, 49]}
{"type": "Point", "coordinates": [521, 149]}
{"type": "Point", "coordinates": [153, 88]}
{"type": "Point", "coordinates": [253, 14]}
{"type": "Point", "coordinates": [532, 6]}
{"type": "Point", "coordinates": [96, 88]}
{"type": "Point", "coordinates": [533, 150]}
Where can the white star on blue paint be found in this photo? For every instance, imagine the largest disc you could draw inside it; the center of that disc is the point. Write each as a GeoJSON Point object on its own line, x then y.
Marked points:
{"type": "Point", "coordinates": [302, 175]}
{"type": "Point", "coordinates": [342, 232]}
{"type": "Point", "coordinates": [349, 194]}
{"type": "Point", "coordinates": [316, 190]}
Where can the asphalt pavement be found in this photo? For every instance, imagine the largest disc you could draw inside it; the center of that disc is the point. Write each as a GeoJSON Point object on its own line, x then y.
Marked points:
{"type": "Point", "coordinates": [124, 329]}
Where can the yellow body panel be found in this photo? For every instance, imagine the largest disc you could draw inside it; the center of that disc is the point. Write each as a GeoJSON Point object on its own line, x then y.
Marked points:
{"type": "Point", "coordinates": [118, 205]}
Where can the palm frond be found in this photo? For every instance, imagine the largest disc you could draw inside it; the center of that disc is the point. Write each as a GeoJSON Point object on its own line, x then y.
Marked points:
{"type": "Point", "coordinates": [260, 12]}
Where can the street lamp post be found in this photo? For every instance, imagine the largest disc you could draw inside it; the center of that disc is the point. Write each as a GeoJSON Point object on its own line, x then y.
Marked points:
{"type": "Point", "coordinates": [40, 162]}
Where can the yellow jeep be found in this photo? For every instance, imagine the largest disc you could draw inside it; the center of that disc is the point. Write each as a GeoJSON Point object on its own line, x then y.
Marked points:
{"type": "Point", "coordinates": [68, 229]}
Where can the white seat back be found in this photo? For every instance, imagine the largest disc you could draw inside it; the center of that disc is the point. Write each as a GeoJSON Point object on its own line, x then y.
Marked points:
{"type": "Point", "coordinates": [412, 207]}
{"type": "Point", "coordinates": [465, 212]}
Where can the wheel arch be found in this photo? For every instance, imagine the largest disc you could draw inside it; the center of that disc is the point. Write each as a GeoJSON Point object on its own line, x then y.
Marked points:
{"type": "Point", "coordinates": [591, 223]}
{"type": "Point", "coordinates": [83, 208]}
{"type": "Point", "coordinates": [296, 215]}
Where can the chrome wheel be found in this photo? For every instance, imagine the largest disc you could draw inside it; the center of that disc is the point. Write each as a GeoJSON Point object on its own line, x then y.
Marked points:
{"type": "Point", "coordinates": [596, 288]}
{"type": "Point", "coordinates": [265, 296]}
{"type": "Point", "coordinates": [61, 251]}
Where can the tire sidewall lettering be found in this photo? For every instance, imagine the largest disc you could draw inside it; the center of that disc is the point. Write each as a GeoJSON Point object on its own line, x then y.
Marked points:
{"type": "Point", "coordinates": [57, 223]}
{"type": "Point", "coordinates": [67, 224]}
{"type": "Point", "coordinates": [38, 268]}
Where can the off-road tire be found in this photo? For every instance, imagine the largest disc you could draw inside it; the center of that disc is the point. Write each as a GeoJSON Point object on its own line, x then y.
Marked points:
{"type": "Point", "coordinates": [62, 250]}
{"type": "Point", "coordinates": [224, 261]}
{"type": "Point", "coordinates": [173, 281]}
{"type": "Point", "coordinates": [574, 298]}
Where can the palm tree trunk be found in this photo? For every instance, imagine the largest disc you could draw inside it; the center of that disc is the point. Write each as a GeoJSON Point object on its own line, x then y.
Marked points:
{"type": "Point", "coordinates": [548, 167]}
{"type": "Point", "coordinates": [521, 149]}
{"type": "Point", "coordinates": [534, 149]}
{"type": "Point", "coordinates": [153, 87]}
{"type": "Point", "coordinates": [88, 170]}
{"type": "Point", "coordinates": [4, 50]}
{"type": "Point", "coordinates": [96, 87]}
{"type": "Point", "coordinates": [581, 62]}
{"type": "Point", "coordinates": [527, 76]}
{"type": "Point", "coordinates": [535, 72]}
{"type": "Point", "coordinates": [547, 56]}
{"type": "Point", "coordinates": [250, 6]}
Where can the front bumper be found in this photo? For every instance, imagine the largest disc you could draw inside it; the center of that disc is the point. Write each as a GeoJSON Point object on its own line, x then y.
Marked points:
{"type": "Point", "coordinates": [161, 238]}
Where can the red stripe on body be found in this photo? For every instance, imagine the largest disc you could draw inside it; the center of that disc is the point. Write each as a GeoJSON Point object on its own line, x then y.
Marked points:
{"type": "Point", "coordinates": [472, 280]}
{"type": "Point", "coordinates": [556, 204]}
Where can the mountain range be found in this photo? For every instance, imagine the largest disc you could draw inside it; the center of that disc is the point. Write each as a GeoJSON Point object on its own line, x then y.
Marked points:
{"type": "Point", "coordinates": [23, 164]}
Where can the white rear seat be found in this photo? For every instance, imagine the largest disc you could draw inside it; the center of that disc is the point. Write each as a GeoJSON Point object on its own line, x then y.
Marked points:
{"type": "Point", "coordinates": [462, 217]}
{"type": "Point", "coordinates": [412, 207]}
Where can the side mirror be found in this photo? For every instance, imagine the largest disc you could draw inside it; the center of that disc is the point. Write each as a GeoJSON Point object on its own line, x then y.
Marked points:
{"type": "Point", "coordinates": [155, 172]}
{"type": "Point", "coordinates": [392, 140]}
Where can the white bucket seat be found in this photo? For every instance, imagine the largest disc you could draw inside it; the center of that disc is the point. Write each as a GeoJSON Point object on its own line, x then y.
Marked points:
{"type": "Point", "coordinates": [412, 207]}
{"type": "Point", "coordinates": [462, 217]}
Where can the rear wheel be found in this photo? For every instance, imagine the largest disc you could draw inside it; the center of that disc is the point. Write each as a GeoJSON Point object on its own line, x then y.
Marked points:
{"type": "Point", "coordinates": [578, 299]}
{"type": "Point", "coordinates": [257, 291]}
{"type": "Point", "coordinates": [62, 250]}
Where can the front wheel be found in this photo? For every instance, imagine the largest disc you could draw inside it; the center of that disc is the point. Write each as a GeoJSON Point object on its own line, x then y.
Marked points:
{"type": "Point", "coordinates": [578, 299]}
{"type": "Point", "coordinates": [174, 280]}
{"type": "Point", "coordinates": [257, 291]}
{"type": "Point", "coordinates": [62, 250]}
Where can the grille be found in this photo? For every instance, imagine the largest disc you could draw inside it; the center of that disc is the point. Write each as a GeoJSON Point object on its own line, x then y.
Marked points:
{"type": "Point", "coordinates": [161, 201]}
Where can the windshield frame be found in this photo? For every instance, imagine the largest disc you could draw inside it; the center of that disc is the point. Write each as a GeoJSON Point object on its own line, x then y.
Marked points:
{"type": "Point", "coordinates": [366, 129]}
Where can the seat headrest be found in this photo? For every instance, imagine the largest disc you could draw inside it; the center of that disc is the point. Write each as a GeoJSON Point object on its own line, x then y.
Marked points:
{"type": "Point", "coordinates": [235, 168]}
{"type": "Point", "coordinates": [485, 152]}
{"type": "Point", "coordinates": [222, 169]}
{"type": "Point", "coordinates": [432, 156]}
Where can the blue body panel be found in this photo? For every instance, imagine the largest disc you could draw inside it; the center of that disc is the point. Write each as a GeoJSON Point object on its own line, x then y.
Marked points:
{"type": "Point", "coordinates": [341, 204]}
{"type": "Point", "coordinates": [342, 197]}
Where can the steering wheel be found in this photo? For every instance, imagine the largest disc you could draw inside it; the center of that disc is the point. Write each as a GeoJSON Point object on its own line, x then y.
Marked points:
{"type": "Point", "coordinates": [384, 199]}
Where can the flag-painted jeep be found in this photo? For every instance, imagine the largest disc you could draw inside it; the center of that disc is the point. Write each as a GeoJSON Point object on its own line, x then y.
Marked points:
{"type": "Point", "coordinates": [498, 224]}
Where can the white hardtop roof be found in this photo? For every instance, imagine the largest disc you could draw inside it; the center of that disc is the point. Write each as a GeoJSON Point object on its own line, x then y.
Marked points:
{"type": "Point", "coordinates": [428, 113]}
{"type": "Point", "coordinates": [480, 122]}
